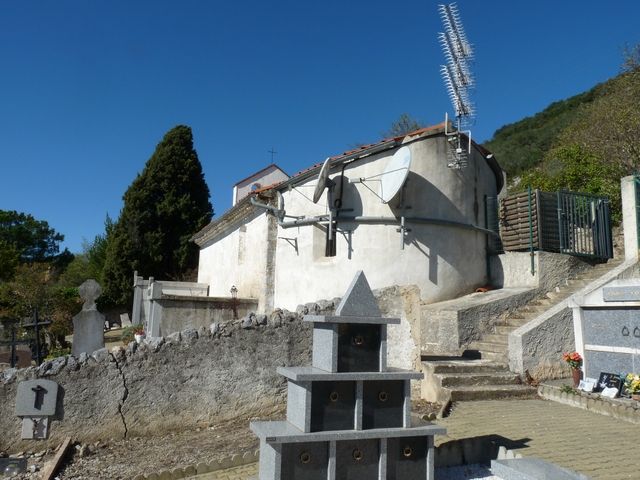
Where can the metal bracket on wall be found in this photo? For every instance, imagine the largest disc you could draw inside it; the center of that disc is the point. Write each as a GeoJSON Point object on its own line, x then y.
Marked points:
{"type": "Point", "coordinates": [293, 241]}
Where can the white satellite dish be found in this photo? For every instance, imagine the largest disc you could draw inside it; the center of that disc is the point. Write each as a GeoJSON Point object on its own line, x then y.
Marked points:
{"type": "Point", "coordinates": [395, 174]}
{"type": "Point", "coordinates": [323, 177]}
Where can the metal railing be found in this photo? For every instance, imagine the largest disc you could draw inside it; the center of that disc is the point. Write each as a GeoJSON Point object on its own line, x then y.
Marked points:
{"type": "Point", "coordinates": [636, 184]}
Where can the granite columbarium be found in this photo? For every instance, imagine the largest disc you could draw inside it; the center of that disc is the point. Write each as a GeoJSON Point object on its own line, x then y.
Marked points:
{"type": "Point", "coordinates": [348, 415]}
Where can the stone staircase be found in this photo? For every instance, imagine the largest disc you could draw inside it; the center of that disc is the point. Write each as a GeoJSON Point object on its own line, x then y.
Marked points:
{"type": "Point", "coordinates": [494, 346]}
{"type": "Point", "coordinates": [482, 372]}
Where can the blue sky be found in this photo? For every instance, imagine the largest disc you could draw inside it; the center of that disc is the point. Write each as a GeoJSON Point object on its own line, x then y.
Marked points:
{"type": "Point", "coordinates": [90, 87]}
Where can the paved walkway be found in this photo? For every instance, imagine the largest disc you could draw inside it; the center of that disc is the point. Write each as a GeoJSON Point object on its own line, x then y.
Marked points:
{"type": "Point", "coordinates": [598, 446]}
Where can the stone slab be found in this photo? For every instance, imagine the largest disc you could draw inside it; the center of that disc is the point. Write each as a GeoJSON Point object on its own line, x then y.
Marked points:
{"type": "Point", "coordinates": [284, 432]}
{"type": "Point", "coordinates": [36, 398]}
{"type": "Point", "coordinates": [35, 428]}
{"type": "Point", "coordinates": [309, 374]}
{"type": "Point", "coordinates": [616, 327]}
{"type": "Point", "coordinates": [354, 319]}
{"type": "Point", "coordinates": [628, 293]}
{"type": "Point", "coordinates": [533, 469]}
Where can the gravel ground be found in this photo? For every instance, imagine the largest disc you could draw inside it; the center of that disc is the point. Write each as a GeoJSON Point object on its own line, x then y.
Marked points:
{"type": "Point", "coordinates": [124, 459]}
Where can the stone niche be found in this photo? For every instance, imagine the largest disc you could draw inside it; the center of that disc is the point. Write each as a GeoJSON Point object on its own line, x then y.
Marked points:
{"type": "Point", "coordinates": [607, 328]}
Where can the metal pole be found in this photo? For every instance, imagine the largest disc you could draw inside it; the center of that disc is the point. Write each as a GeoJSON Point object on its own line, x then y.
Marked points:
{"type": "Point", "coordinates": [560, 232]}
{"type": "Point", "coordinates": [533, 268]}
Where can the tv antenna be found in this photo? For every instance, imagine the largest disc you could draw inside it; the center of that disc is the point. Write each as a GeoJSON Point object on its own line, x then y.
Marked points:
{"type": "Point", "coordinates": [458, 80]}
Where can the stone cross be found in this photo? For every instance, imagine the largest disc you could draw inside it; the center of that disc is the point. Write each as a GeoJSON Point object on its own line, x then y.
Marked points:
{"type": "Point", "coordinates": [89, 291]}
{"type": "Point", "coordinates": [40, 392]}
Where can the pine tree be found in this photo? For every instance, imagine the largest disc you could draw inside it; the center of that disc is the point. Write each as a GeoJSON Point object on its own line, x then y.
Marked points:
{"type": "Point", "coordinates": [164, 206]}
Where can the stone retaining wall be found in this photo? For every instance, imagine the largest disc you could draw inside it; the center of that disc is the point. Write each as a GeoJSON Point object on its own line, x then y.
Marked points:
{"type": "Point", "coordinates": [192, 378]}
{"type": "Point", "coordinates": [188, 379]}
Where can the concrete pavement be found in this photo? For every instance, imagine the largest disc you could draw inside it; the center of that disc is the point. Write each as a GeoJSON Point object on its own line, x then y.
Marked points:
{"type": "Point", "coordinates": [598, 446]}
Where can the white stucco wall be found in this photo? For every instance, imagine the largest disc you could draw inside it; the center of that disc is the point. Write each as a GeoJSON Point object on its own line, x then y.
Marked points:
{"type": "Point", "coordinates": [237, 258]}
{"type": "Point", "coordinates": [443, 261]}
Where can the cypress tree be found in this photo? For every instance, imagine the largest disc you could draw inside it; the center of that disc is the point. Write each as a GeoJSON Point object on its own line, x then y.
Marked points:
{"type": "Point", "coordinates": [164, 206]}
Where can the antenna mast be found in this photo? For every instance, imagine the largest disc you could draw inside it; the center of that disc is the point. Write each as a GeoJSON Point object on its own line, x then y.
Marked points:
{"type": "Point", "coordinates": [458, 81]}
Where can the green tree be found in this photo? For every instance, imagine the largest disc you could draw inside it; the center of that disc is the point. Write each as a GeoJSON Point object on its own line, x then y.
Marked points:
{"type": "Point", "coordinates": [90, 263]}
{"type": "Point", "coordinates": [164, 206]}
{"type": "Point", "coordinates": [23, 239]}
{"type": "Point", "coordinates": [574, 167]}
{"type": "Point", "coordinates": [609, 126]}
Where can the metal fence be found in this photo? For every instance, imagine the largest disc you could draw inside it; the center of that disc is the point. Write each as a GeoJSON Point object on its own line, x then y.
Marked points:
{"type": "Point", "coordinates": [584, 225]}
{"type": "Point", "coordinates": [565, 222]}
{"type": "Point", "coordinates": [636, 183]}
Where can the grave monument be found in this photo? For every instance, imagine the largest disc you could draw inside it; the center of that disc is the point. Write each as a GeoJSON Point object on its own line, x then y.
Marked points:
{"type": "Point", "coordinates": [88, 325]}
{"type": "Point", "coordinates": [36, 403]}
{"type": "Point", "coordinates": [348, 415]}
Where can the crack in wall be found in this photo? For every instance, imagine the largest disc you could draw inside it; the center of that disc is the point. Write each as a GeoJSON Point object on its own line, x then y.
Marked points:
{"type": "Point", "coordinates": [124, 395]}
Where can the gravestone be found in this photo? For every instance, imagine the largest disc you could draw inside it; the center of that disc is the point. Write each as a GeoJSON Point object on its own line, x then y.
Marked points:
{"type": "Point", "coordinates": [607, 328]}
{"type": "Point", "coordinates": [348, 415]}
{"type": "Point", "coordinates": [125, 321]}
{"type": "Point", "coordinates": [88, 325]}
{"type": "Point", "coordinates": [36, 403]}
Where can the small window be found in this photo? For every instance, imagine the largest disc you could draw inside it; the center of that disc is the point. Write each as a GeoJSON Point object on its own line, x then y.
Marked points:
{"type": "Point", "coordinates": [255, 186]}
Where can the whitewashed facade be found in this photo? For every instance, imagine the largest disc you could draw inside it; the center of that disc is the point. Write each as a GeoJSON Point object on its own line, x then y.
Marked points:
{"type": "Point", "coordinates": [444, 253]}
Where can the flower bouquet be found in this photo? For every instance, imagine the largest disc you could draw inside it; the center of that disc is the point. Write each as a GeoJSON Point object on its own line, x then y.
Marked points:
{"type": "Point", "coordinates": [573, 359]}
{"type": "Point", "coordinates": [575, 362]}
{"type": "Point", "coordinates": [632, 385]}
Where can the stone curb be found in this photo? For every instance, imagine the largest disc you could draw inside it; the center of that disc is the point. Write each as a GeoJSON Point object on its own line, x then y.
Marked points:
{"type": "Point", "coordinates": [627, 410]}
{"type": "Point", "coordinates": [203, 467]}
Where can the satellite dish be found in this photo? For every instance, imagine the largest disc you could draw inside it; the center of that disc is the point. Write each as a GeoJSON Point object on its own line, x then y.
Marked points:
{"type": "Point", "coordinates": [280, 201]}
{"type": "Point", "coordinates": [323, 177]}
{"type": "Point", "coordinates": [395, 174]}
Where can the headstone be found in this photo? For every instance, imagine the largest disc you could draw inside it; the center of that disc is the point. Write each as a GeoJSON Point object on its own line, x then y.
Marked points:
{"type": "Point", "coordinates": [88, 325]}
{"type": "Point", "coordinates": [36, 403]}
{"type": "Point", "coordinates": [348, 415]}
{"type": "Point", "coordinates": [125, 321]}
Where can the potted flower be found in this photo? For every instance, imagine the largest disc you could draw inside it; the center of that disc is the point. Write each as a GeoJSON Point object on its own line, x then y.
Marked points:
{"type": "Point", "coordinates": [632, 385]}
{"type": "Point", "coordinates": [575, 362]}
{"type": "Point", "coordinates": [138, 334]}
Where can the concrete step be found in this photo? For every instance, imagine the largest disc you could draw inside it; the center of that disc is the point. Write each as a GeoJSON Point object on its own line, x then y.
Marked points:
{"type": "Point", "coordinates": [495, 338]}
{"type": "Point", "coordinates": [488, 347]}
{"type": "Point", "coordinates": [505, 329]}
{"type": "Point", "coordinates": [491, 392]}
{"type": "Point", "coordinates": [476, 379]}
{"type": "Point", "coordinates": [463, 366]}
{"type": "Point", "coordinates": [500, 357]}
